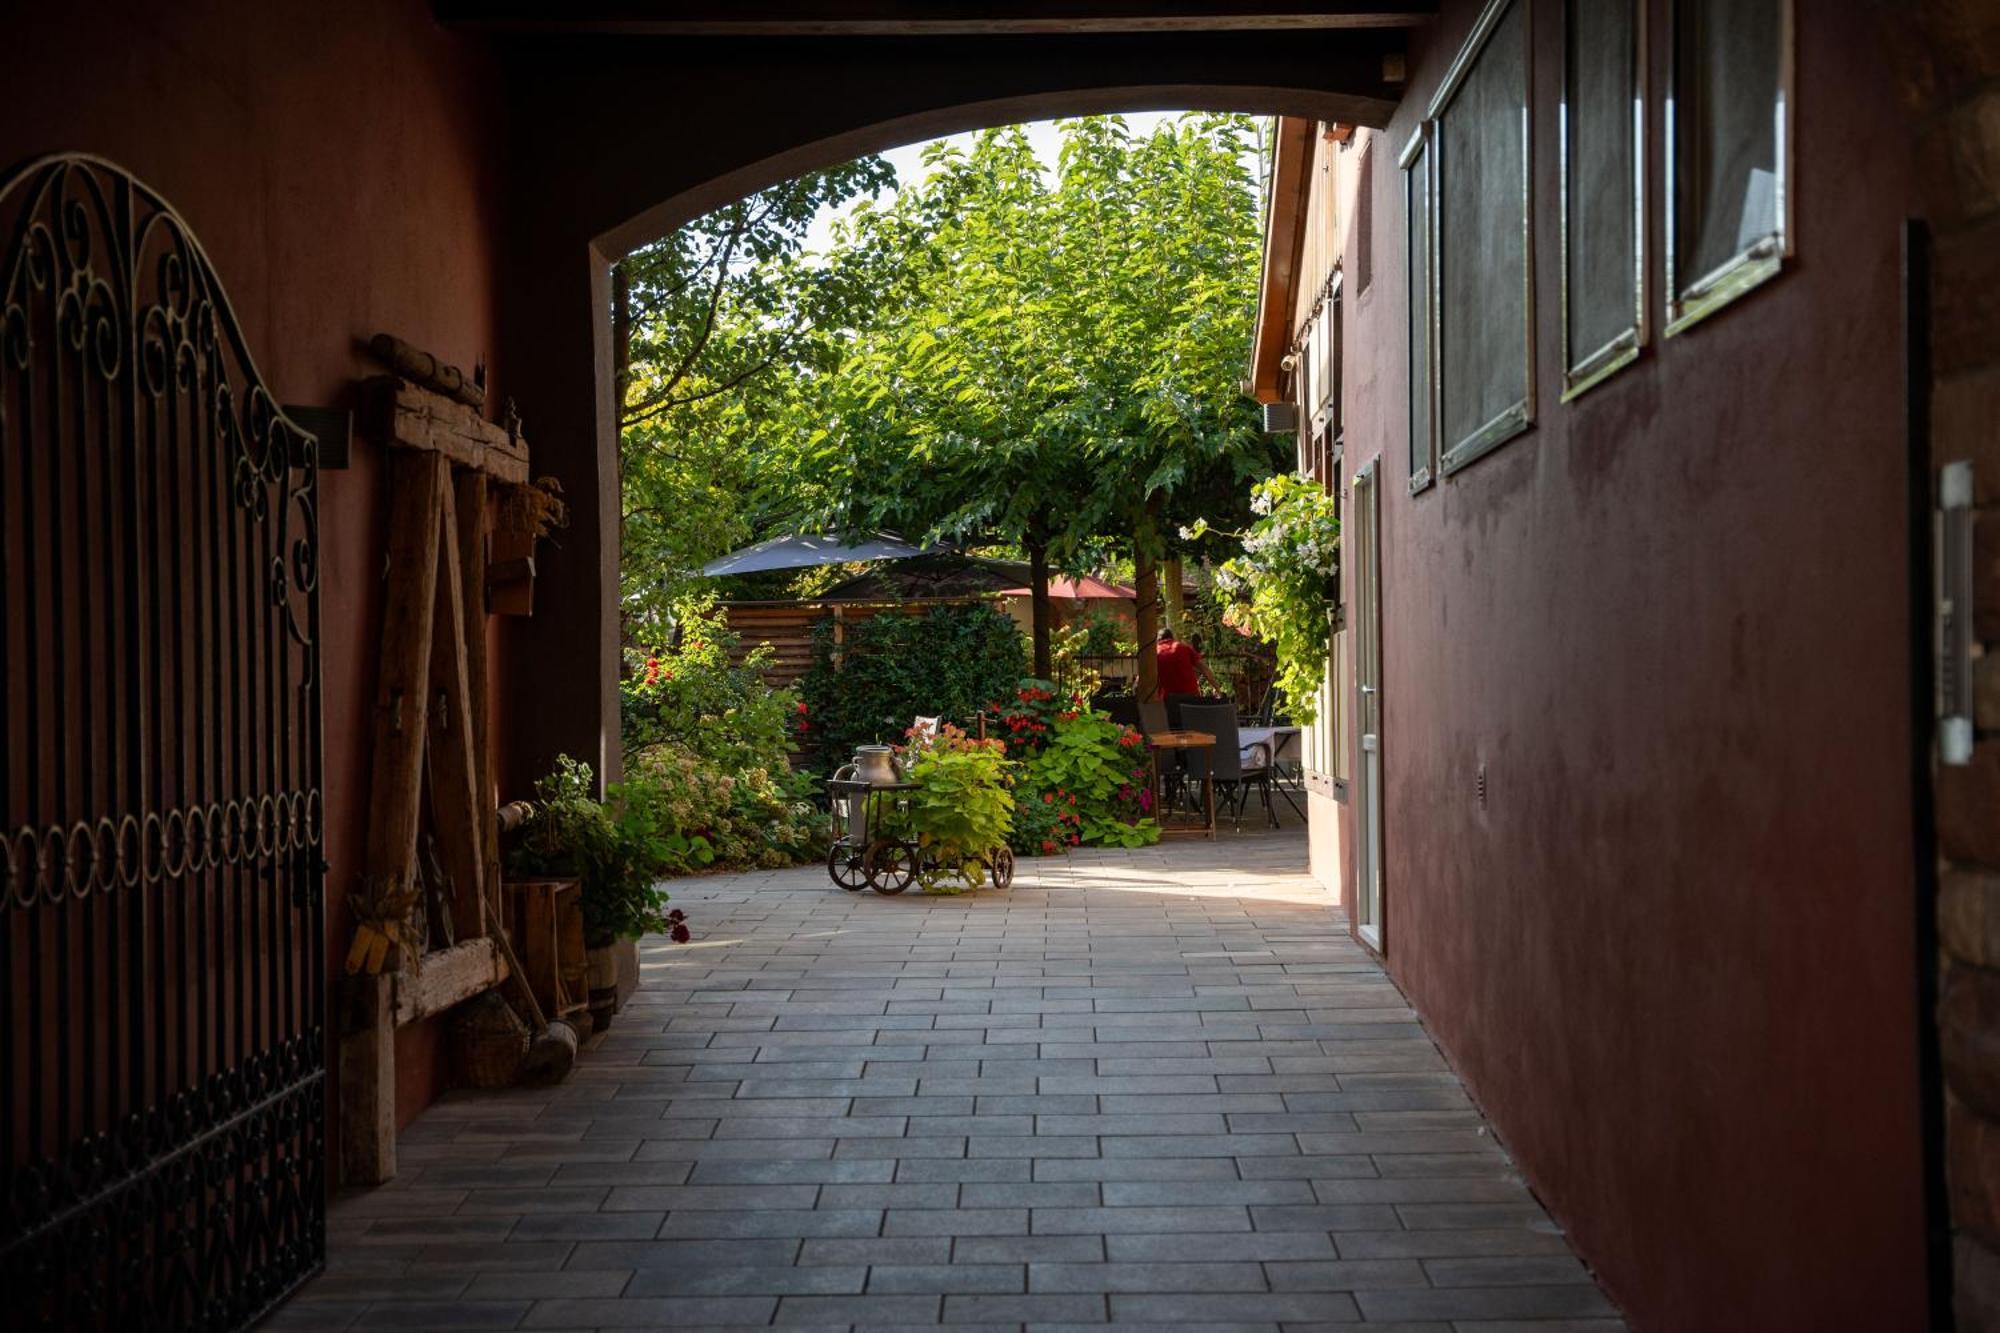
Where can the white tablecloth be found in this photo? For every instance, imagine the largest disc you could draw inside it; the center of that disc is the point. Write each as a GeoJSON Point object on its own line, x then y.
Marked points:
{"type": "Point", "coordinates": [1261, 745]}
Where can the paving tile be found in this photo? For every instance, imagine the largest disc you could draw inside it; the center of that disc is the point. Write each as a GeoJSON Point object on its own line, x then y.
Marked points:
{"type": "Point", "coordinates": [1031, 1309]}
{"type": "Point", "coordinates": [902, 1195]}
{"type": "Point", "coordinates": [548, 1286]}
{"type": "Point", "coordinates": [586, 1226]}
{"type": "Point", "coordinates": [845, 1171]}
{"type": "Point", "coordinates": [944, 1278]}
{"type": "Point", "coordinates": [1028, 1250]}
{"type": "Point", "coordinates": [1116, 1221]}
{"type": "Point", "coordinates": [460, 1314]}
{"type": "Point", "coordinates": [1124, 1194]}
{"type": "Point", "coordinates": [865, 1311]}
{"type": "Point", "coordinates": [955, 1222]}
{"type": "Point", "coordinates": [651, 1312]}
{"type": "Point", "coordinates": [749, 1280]}
{"type": "Point", "coordinates": [704, 1224]}
{"type": "Point", "coordinates": [1142, 1277]}
{"type": "Point", "coordinates": [642, 1255]}
{"type": "Point", "coordinates": [1285, 1307]}
{"type": "Point", "coordinates": [1344, 1274]}
{"type": "Point", "coordinates": [1264, 1246]}
{"type": "Point", "coordinates": [870, 1250]}
{"type": "Point", "coordinates": [1046, 1194]}
{"type": "Point", "coordinates": [1158, 1089]}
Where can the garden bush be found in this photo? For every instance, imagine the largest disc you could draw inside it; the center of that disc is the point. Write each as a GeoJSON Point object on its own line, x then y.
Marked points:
{"type": "Point", "coordinates": [947, 662]}
{"type": "Point", "coordinates": [1097, 769]}
{"type": "Point", "coordinates": [1082, 778]}
{"type": "Point", "coordinates": [707, 745]}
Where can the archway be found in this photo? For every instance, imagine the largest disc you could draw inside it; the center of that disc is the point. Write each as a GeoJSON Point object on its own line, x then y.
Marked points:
{"type": "Point", "coordinates": [592, 109]}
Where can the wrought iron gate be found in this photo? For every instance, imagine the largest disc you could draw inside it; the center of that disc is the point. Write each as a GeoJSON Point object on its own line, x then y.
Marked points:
{"type": "Point", "coordinates": [161, 940]}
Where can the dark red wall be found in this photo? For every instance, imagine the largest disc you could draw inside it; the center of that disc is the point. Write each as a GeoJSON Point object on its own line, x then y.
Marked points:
{"type": "Point", "coordinates": [337, 163]}
{"type": "Point", "coordinates": [1673, 957]}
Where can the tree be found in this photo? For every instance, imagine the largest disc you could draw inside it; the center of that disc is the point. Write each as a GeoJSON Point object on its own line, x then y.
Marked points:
{"type": "Point", "coordinates": [1055, 359]}
{"type": "Point", "coordinates": [714, 325]}
{"type": "Point", "coordinates": [1166, 246]}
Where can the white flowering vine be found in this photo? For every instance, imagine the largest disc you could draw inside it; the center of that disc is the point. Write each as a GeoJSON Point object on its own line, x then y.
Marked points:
{"type": "Point", "coordinates": [1282, 587]}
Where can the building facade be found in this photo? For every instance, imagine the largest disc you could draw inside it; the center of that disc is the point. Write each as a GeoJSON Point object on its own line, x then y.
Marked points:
{"type": "Point", "coordinates": [1603, 350]}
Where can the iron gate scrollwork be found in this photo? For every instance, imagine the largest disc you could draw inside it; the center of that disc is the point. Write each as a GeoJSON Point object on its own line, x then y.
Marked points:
{"type": "Point", "coordinates": [162, 965]}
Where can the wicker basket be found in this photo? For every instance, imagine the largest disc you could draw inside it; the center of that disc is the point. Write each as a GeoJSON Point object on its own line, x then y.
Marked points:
{"type": "Point", "coordinates": [488, 1041]}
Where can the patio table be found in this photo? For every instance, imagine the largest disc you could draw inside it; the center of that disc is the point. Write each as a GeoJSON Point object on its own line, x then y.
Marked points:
{"type": "Point", "coordinates": [1179, 741]}
{"type": "Point", "coordinates": [1279, 742]}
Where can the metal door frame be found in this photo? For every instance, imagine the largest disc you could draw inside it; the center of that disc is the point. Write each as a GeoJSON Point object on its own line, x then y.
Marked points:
{"type": "Point", "coordinates": [1365, 559]}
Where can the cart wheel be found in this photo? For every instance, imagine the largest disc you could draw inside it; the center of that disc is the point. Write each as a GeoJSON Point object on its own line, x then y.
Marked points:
{"type": "Point", "coordinates": [843, 863]}
{"type": "Point", "coordinates": [890, 866]}
{"type": "Point", "coordinates": [1001, 866]}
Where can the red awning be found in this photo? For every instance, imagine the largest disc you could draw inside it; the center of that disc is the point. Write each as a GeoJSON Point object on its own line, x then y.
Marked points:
{"type": "Point", "coordinates": [1082, 589]}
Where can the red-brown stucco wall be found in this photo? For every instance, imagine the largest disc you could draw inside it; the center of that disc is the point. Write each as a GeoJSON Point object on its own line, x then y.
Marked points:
{"type": "Point", "coordinates": [337, 163]}
{"type": "Point", "coordinates": [1673, 957]}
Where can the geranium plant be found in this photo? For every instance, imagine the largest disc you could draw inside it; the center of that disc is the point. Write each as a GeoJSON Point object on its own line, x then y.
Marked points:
{"type": "Point", "coordinates": [1281, 588]}
{"type": "Point", "coordinates": [1096, 769]}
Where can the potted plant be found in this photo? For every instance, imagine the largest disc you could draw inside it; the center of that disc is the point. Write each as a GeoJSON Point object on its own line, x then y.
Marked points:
{"type": "Point", "coordinates": [615, 852]}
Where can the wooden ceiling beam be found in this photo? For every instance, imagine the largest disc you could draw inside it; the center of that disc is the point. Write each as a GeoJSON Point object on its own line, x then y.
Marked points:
{"type": "Point", "coordinates": [906, 18]}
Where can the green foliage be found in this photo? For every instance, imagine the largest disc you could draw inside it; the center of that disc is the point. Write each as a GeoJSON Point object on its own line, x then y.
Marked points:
{"type": "Point", "coordinates": [1102, 765]}
{"type": "Point", "coordinates": [1056, 356]}
{"type": "Point", "coordinates": [720, 819]}
{"type": "Point", "coordinates": [1044, 823]}
{"type": "Point", "coordinates": [725, 318]}
{"type": "Point", "coordinates": [946, 662]}
{"type": "Point", "coordinates": [620, 849]}
{"type": "Point", "coordinates": [1097, 634]}
{"type": "Point", "coordinates": [960, 810]}
{"type": "Point", "coordinates": [706, 752]}
{"type": "Point", "coordinates": [1026, 721]}
{"type": "Point", "coordinates": [1281, 588]}
{"type": "Point", "coordinates": [694, 692]}
{"type": "Point", "coordinates": [1078, 650]}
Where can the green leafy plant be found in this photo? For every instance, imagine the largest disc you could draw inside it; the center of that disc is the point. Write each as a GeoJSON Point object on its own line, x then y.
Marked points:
{"type": "Point", "coordinates": [1281, 588]}
{"type": "Point", "coordinates": [701, 690]}
{"type": "Point", "coordinates": [1097, 769]}
{"type": "Point", "coordinates": [1045, 822]}
{"type": "Point", "coordinates": [619, 850]}
{"type": "Point", "coordinates": [1025, 722]}
{"type": "Point", "coordinates": [960, 809]}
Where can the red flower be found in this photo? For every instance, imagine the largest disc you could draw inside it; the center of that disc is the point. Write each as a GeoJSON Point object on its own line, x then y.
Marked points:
{"type": "Point", "coordinates": [1047, 799]}
{"type": "Point", "coordinates": [1075, 840]}
{"type": "Point", "coordinates": [1048, 848]}
{"type": "Point", "coordinates": [802, 707]}
{"type": "Point", "coordinates": [679, 934]}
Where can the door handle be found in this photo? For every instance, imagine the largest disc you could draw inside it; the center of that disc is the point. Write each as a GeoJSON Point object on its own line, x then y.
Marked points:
{"type": "Point", "coordinates": [1369, 689]}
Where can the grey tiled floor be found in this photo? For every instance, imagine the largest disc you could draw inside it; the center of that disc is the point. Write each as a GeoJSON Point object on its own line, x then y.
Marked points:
{"type": "Point", "coordinates": [1159, 1089]}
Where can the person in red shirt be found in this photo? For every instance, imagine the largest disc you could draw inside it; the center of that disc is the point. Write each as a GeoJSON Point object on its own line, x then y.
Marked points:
{"type": "Point", "coordinates": [1179, 665]}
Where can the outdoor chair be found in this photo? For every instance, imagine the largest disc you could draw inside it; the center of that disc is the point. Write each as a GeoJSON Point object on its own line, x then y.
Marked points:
{"type": "Point", "coordinates": [1177, 702]}
{"type": "Point", "coordinates": [1231, 775]}
{"type": "Point", "coordinates": [1120, 708]}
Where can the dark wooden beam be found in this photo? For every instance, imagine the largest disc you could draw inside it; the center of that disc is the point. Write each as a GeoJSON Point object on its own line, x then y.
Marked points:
{"type": "Point", "coordinates": [906, 18]}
